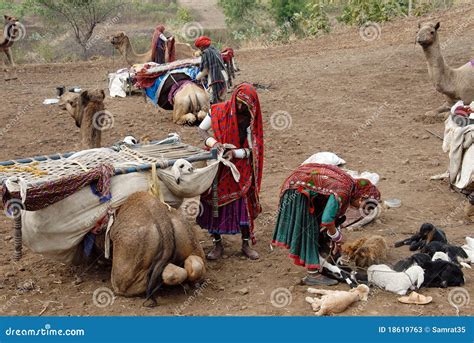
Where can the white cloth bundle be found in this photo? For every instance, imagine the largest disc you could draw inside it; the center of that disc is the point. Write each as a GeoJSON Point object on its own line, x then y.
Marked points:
{"type": "Point", "coordinates": [458, 142]}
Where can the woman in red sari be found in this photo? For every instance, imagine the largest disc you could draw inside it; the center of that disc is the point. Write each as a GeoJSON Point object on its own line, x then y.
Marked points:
{"type": "Point", "coordinates": [231, 207]}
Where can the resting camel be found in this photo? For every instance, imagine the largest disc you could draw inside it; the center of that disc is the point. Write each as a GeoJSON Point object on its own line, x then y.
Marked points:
{"type": "Point", "coordinates": [191, 103]}
{"type": "Point", "coordinates": [121, 42]}
{"type": "Point", "coordinates": [151, 244]}
{"type": "Point", "coordinates": [11, 27]}
{"type": "Point", "coordinates": [455, 84]}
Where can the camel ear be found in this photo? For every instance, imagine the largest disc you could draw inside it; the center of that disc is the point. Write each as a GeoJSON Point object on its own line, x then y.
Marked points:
{"type": "Point", "coordinates": [7, 17]}
{"type": "Point", "coordinates": [437, 26]}
{"type": "Point", "coordinates": [419, 25]}
{"type": "Point", "coordinates": [102, 93]}
{"type": "Point", "coordinates": [84, 98]}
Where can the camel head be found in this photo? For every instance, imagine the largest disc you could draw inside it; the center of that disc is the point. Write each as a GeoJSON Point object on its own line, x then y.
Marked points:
{"type": "Point", "coordinates": [427, 34]}
{"type": "Point", "coordinates": [69, 102]}
{"type": "Point", "coordinates": [77, 104]}
{"type": "Point", "coordinates": [118, 39]}
{"type": "Point", "coordinates": [12, 26]}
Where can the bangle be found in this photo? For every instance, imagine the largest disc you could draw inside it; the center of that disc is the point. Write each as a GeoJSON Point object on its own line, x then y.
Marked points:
{"type": "Point", "coordinates": [210, 142]}
{"type": "Point", "coordinates": [337, 237]}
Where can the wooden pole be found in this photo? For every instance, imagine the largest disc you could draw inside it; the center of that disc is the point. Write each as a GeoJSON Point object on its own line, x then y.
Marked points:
{"type": "Point", "coordinates": [17, 237]}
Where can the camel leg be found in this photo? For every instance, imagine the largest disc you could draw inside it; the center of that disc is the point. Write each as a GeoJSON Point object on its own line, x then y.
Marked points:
{"type": "Point", "coordinates": [195, 268]}
{"type": "Point", "coordinates": [201, 115]}
{"type": "Point", "coordinates": [446, 107]}
{"type": "Point", "coordinates": [174, 275]}
{"type": "Point", "coordinates": [8, 52]}
{"type": "Point", "coordinates": [186, 119]}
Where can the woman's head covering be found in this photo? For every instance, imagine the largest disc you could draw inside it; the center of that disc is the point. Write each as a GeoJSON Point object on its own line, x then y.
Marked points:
{"type": "Point", "coordinates": [202, 42]}
{"type": "Point", "coordinates": [226, 130]}
{"type": "Point", "coordinates": [364, 189]}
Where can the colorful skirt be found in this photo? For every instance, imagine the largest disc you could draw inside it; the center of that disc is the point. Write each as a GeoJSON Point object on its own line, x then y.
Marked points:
{"type": "Point", "coordinates": [231, 217]}
{"type": "Point", "coordinates": [297, 229]}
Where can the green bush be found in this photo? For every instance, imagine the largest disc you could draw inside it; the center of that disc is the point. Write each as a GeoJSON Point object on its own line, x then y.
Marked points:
{"type": "Point", "coordinates": [313, 21]}
{"type": "Point", "coordinates": [284, 10]}
{"type": "Point", "coordinates": [184, 15]}
{"type": "Point", "coordinates": [361, 11]}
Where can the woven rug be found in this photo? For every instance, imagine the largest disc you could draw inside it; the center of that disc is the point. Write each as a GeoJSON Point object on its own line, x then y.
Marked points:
{"type": "Point", "coordinates": [43, 180]}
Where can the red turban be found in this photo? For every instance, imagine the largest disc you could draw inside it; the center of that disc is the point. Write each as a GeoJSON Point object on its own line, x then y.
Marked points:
{"type": "Point", "coordinates": [202, 42]}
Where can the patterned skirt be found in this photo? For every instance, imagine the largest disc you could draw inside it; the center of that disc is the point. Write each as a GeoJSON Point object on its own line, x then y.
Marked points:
{"type": "Point", "coordinates": [231, 217]}
{"type": "Point", "coordinates": [297, 229]}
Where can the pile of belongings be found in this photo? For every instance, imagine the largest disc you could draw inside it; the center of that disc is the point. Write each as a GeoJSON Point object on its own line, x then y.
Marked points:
{"type": "Point", "coordinates": [458, 143]}
{"type": "Point", "coordinates": [159, 80]}
{"type": "Point", "coordinates": [65, 197]}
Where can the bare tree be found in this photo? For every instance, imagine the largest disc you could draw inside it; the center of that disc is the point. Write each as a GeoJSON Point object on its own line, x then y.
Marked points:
{"type": "Point", "coordinates": [82, 15]}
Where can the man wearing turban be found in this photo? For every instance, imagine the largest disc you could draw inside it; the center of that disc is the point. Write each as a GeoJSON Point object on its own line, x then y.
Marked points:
{"type": "Point", "coordinates": [212, 67]}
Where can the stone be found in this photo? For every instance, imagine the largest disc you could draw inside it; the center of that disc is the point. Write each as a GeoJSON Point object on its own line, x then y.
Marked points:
{"type": "Point", "coordinates": [78, 281]}
{"type": "Point", "coordinates": [243, 291]}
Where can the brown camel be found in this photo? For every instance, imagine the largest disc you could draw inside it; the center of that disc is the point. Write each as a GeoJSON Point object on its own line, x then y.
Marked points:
{"type": "Point", "coordinates": [151, 244]}
{"type": "Point", "coordinates": [191, 103]}
{"type": "Point", "coordinates": [121, 42]}
{"type": "Point", "coordinates": [12, 31]}
{"type": "Point", "coordinates": [85, 108]}
{"type": "Point", "coordinates": [455, 84]}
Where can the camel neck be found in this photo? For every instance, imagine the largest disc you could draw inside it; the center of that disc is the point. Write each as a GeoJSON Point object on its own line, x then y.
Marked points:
{"type": "Point", "coordinates": [127, 47]}
{"type": "Point", "coordinates": [439, 71]}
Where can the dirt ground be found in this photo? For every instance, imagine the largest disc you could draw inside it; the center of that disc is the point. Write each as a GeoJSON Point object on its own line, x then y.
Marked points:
{"type": "Point", "coordinates": [330, 88]}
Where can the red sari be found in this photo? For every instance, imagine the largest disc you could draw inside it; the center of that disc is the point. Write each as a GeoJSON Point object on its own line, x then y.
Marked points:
{"type": "Point", "coordinates": [226, 130]}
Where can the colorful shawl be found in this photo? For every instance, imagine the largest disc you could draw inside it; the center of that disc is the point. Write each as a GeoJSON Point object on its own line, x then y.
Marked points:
{"type": "Point", "coordinates": [225, 127]}
{"type": "Point", "coordinates": [51, 192]}
{"type": "Point", "coordinates": [328, 179]}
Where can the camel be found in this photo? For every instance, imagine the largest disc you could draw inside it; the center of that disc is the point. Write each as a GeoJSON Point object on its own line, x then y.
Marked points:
{"type": "Point", "coordinates": [455, 84]}
{"type": "Point", "coordinates": [191, 103]}
{"type": "Point", "coordinates": [121, 42]}
{"type": "Point", "coordinates": [84, 108]}
{"type": "Point", "coordinates": [151, 244]}
{"type": "Point", "coordinates": [12, 30]}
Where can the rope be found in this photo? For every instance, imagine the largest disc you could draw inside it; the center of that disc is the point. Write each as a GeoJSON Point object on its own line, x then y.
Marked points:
{"type": "Point", "coordinates": [32, 169]}
{"type": "Point", "coordinates": [84, 168]}
{"type": "Point", "coordinates": [155, 189]}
